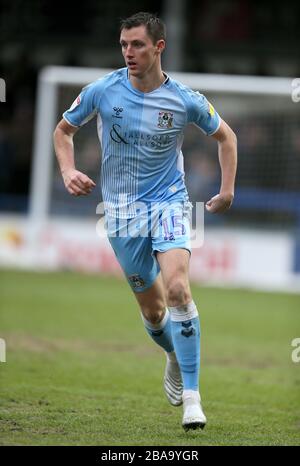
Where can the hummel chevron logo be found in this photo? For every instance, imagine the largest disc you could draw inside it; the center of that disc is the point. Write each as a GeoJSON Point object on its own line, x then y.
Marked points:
{"type": "Point", "coordinates": [117, 111]}
{"type": "Point", "coordinates": [188, 329]}
{"type": "Point", "coordinates": [186, 324]}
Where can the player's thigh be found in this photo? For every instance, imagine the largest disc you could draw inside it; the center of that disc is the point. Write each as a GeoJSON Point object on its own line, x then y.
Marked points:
{"type": "Point", "coordinates": [135, 257]}
{"type": "Point", "coordinates": [141, 269]}
{"type": "Point", "coordinates": [171, 243]}
{"type": "Point", "coordinates": [174, 265]}
{"type": "Point", "coordinates": [153, 299]}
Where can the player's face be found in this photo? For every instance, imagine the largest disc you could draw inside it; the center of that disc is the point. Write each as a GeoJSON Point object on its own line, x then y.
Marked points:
{"type": "Point", "coordinates": [138, 50]}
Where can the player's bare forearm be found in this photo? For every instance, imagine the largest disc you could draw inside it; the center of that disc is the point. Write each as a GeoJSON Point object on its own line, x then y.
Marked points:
{"type": "Point", "coordinates": [76, 182]}
{"type": "Point", "coordinates": [228, 163]}
{"type": "Point", "coordinates": [64, 148]}
{"type": "Point", "coordinates": [227, 148]}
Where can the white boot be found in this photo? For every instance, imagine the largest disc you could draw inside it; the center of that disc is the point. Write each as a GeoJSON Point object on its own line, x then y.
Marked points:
{"type": "Point", "coordinates": [172, 381]}
{"type": "Point", "coordinates": [193, 416]}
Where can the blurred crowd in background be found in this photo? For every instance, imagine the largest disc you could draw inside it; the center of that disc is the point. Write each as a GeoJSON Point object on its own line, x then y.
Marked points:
{"type": "Point", "coordinates": [227, 36]}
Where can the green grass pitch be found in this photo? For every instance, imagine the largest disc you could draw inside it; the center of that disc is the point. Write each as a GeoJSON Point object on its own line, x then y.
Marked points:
{"type": "Point", "coordinates": [81, 370]}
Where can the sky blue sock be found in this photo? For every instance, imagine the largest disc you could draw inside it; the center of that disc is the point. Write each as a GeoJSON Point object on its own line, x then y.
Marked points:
{"type": "Point", "coordinates": [186, 339]}
{"type": "Point", "coordinates": [161, 333]}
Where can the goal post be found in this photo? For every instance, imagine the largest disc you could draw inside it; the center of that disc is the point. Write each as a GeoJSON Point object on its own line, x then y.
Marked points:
{"type": "Point", "coordinates": [45, 121]}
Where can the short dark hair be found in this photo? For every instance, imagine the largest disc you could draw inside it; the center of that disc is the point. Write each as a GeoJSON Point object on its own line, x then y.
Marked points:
{"type": "Point", "coordinates": [155, 28]}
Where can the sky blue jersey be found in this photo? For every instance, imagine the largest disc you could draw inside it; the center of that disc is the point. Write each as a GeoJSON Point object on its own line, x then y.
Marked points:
{"type": "Point", "coordinates": [141, 136]}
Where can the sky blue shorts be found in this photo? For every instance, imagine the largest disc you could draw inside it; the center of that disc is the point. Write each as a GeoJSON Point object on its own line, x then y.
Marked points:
{"type": "Point", "coordinates": [135, 241]}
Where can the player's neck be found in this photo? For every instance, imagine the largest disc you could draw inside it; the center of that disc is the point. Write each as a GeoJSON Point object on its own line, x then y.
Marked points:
{"type": "Point", "coordinates": [149, 82]}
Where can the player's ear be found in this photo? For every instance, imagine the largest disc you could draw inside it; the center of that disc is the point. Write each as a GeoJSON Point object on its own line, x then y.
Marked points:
{"type": "Point", "coordinates": [160, 45]}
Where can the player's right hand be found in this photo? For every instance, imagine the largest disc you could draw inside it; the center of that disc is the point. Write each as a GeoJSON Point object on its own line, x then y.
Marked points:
{"type": "Point", "coordinates": [77, 183]}
{"type": "Point", "coordinates": [219, 203]}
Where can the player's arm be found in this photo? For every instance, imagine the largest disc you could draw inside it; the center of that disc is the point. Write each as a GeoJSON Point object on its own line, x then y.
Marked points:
{"type": "Point", "coordinates": [76, 182]}
{"type": "Point", "coordinates": [227, 150]}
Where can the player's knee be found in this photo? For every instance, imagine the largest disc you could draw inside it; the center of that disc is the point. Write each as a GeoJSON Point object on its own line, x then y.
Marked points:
{"type": "Point", "coordinates": [178, 292]}
{"type": "Point", "coordinates": [153, 315]}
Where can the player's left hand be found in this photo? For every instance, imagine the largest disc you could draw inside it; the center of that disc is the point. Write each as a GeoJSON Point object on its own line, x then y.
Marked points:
{"type": "Point", "coordinates": [219, 203]}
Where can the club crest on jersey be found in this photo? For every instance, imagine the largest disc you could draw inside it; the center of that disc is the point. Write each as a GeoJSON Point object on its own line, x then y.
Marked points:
{"type": "Point", "coordinates": [136, 280]}
{"type": "Point", "coordinates": [165, 120]}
